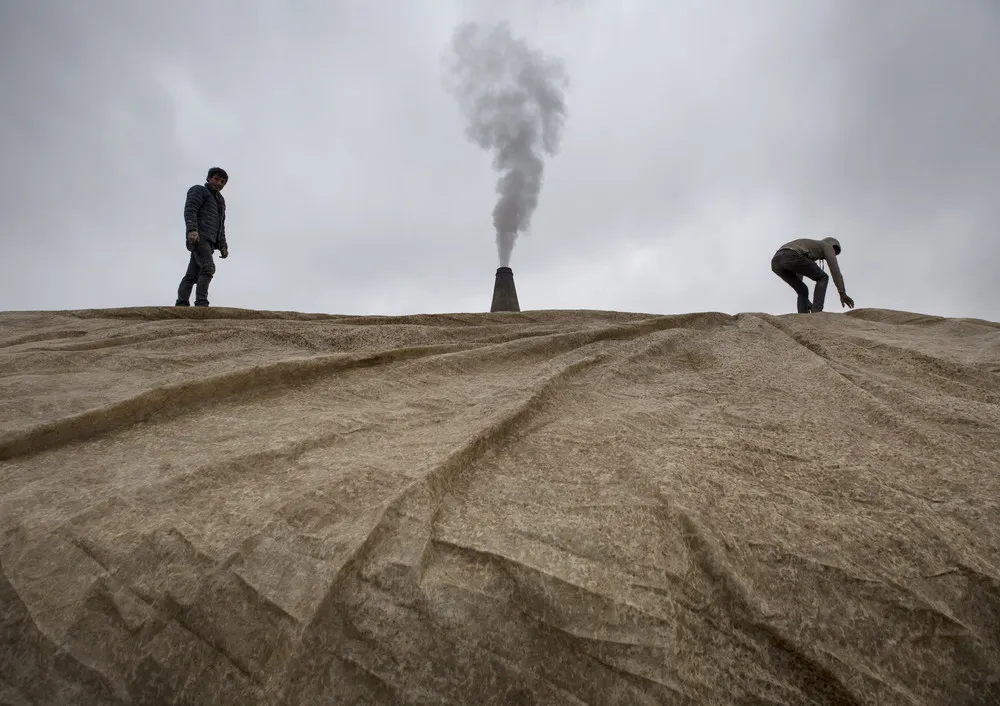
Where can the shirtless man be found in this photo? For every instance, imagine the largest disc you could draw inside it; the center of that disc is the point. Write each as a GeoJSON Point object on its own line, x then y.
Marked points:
{"type": "Point", "coordinates": [798, 258]}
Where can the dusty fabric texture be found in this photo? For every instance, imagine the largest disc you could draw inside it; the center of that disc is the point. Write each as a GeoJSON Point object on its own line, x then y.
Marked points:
{"type": "Point", "coordinates": [218, 506]}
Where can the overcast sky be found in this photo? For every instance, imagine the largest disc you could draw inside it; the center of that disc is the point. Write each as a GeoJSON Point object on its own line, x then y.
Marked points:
{"type": "Point", "coordinates": [700, 135]}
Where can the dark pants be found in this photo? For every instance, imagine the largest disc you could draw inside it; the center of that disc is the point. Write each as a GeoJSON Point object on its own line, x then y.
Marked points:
{"type": "Point", "coordinates": [792, 266]}
{"type": "Point", "coordinates": [201, 269]}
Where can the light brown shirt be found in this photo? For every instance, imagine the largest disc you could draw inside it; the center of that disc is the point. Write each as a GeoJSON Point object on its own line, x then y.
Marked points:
{"type": "Point", "coordinates": [818, 250]}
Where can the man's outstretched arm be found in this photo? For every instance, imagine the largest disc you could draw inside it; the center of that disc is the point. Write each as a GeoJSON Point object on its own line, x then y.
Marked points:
{"type": "Point", "coordinates": [830, 255]}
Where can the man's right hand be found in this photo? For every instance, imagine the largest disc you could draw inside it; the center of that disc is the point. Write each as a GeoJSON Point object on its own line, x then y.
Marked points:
{"type": "Point", "coordinates": [846, 301]}
{"type": "Point", "coordinates": [192, 237]}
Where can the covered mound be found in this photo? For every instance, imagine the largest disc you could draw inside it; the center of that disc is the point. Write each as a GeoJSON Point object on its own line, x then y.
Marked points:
{"type": "Point", "coordinates": [217, 506]}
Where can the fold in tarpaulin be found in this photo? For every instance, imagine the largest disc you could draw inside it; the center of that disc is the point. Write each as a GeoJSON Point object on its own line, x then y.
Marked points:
{"type": "Point", "coordinates": [223, 506]}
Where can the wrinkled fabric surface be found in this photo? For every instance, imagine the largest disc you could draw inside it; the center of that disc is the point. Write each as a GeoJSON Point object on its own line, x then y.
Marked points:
{"type": "Point", "coordinates": [220, 506]}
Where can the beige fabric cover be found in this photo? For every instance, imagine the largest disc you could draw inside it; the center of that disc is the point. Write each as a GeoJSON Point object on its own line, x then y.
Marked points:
{"type": "Point", "coordinates": [222, 506]}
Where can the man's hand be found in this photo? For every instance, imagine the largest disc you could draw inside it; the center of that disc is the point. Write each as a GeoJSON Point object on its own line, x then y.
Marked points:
{"type": "Point", "coordinates": [846, 301]}
{"type": "Point", "coordinates": [192, 237]}
{"type": "Point", "coordinates": [223, 253]}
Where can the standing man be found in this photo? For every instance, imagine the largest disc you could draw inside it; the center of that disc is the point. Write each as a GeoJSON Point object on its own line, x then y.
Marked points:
{"type": "Point", "coordinates": [798, 258]}
{"type": "Point", "coordinates": [205, 220]}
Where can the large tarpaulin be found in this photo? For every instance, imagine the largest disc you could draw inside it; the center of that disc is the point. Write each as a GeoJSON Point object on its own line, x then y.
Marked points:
{"type": "Point", "coordinates": [218, 506]}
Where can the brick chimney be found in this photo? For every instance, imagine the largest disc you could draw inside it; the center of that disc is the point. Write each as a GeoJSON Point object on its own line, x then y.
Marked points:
{"type": "Point", "coordinates": [504, 292]}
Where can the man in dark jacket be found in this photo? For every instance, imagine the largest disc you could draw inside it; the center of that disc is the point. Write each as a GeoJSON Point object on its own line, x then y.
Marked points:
{"type": "Point", "coordinates": [205, 221]}
{"type": "Point", "coordinates": [798, 258]}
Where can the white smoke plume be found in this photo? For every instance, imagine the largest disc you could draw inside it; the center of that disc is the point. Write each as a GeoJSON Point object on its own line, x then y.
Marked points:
{"type": "Point", "coordinates": [512, 97]}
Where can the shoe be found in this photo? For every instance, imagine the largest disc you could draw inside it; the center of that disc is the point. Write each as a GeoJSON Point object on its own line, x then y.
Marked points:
{"type": "Point", "coordinates": [181, 302]}
{"type": "Point", "coordinates": [201, 303]}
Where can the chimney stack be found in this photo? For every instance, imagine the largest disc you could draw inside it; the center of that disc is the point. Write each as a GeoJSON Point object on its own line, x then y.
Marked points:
{"type": "Point", "coordinates": [504, 292]}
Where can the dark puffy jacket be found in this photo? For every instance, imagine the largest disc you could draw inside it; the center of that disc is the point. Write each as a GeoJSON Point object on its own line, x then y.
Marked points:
{"type": "Point", "coordinates": [205, 212]}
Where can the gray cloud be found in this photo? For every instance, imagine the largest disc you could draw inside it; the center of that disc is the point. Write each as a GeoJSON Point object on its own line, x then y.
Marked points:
{"type": "Point", "coordinates": [512, 97]}
{"type": "Point", "coordinates": [702, 135]}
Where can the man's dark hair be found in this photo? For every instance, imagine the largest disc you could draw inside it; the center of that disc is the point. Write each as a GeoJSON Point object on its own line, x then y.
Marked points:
{"type": "Point", "coordinates": [217, 171]}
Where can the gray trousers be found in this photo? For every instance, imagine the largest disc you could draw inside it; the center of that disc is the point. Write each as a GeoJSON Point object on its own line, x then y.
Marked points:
{"type": "Point", "coordinates": [201, 269]}
{"type": "Point", "coordinates": [792, 266]}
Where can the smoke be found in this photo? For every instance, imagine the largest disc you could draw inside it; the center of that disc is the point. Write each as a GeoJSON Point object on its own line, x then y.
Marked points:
{"type": "Point", "coordinates": [512, 97]}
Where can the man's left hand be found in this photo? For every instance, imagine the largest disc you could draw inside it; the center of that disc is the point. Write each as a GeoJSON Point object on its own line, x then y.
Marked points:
{"type": "Point", "coordinates": [223, 253]}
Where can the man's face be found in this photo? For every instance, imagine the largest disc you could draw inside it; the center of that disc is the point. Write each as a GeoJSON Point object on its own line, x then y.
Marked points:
{"type": "Point", "coordinates": [216, 182]}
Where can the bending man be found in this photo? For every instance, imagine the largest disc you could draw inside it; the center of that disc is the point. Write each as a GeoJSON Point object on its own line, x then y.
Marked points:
{"type": "Point", "coordinates": [797, 259]}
